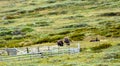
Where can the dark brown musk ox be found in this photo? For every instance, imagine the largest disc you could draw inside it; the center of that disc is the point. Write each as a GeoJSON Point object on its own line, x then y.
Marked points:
{"type": "Point", "coordinates": [60, 43]}
{"type": "Point", "coordinates": [95, 40]}
{"type": "Point", "coordinates": [67, 41]}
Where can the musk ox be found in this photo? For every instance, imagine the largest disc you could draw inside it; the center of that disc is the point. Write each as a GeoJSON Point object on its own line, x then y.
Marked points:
{"type": "Point", "coordinates": [60, 43]}
{"type": "Point", "coordinates": [67, 41]}
{"type": "Point", "coordinates": [94, 40]}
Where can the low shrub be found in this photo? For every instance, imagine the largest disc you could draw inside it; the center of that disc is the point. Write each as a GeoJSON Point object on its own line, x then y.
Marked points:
{"type": "Point", "coordinates": [57, 12]}
{"type": "Point", "coordinates": [116, 34]}
{"type": "Point", "coordinates": [18, 37]}
{"type": "Point", "coordinates": [49, 39]}
{"type": "Point", "coordinates": [101, 65]}
{"type": "Point", "coordinates": [60, 33]}
{"type": "Point", "coordinates": [2, 45]}
{"type": "Point", "coordinates": [16, 32]}
{"type": "Point", "coordinates": [37, 15]}
{"type": "Point", "coordinates": [64, 32]}
{"type": "Point", "coordinates": [53, 13]}
{"type": "Point", "coordinates": [42, 40]}
{"type": "Point", "coordinates": [56, 37]}
{"type": "Point", "coordinates": [7, 37]}
{"type": "Point", "coordinates": [51, 1]}
{"type": "Point", "coordinates": [31, 25]}
{"type": "Point", "coordinates": [111, 14]}
{"type": "Point", "coordinates": [118, 44]}
{"type": "Point", "coordinates": [63, 12]}
{"type": "Point", "coordinates": [40, 24]}
{"type": "Point", "coordinates": [73, 16]}
{"type": "Point", "coordinates": [21, 30]}
{"type": "Point", "coordinates": [83, 49]}
{"type": "Point", "coordinates": [69, 64]}
{"type": "Point", "coordinates": [9, 17]}
{"type": "Point", "coordinates": [112, 55]}
{"type": "Point", "coordinates": [6, 22]}
{"type": "Point", "coordinates": [21, 11]}
{"type": "Point", "coordinates": [2, 41]}
{"type": "Point", "coordinates": [77, 36]}
{"type": "Point", "coordinates": [27, 29]}
{"type": "Point", "coordinates": [7, 32]}
{"type": "Point", "coordinates": [3, 28]}
{"type": "Point", "coordinates": [13, 43]}
{"type": "Point", "coordinates": [25, 43]}
{"type": "Point", "coordinates": [76, 25]}
{"type": "Point", "coordinates": [108, 35]}
{"type": "Point", "coordinates": [102, 46]}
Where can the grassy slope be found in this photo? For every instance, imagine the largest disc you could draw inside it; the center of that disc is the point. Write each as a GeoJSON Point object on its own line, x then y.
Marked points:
{"type": "Point", "coordinates": [75, 18]}
{"type": "Point", "coordinates": [79, 19]}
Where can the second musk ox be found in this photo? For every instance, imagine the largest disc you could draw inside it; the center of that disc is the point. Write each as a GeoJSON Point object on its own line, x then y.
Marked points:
{"type": "Point", "coordinates": [67, 41]}
{"type": "Point", "coordinates": [60, 43]}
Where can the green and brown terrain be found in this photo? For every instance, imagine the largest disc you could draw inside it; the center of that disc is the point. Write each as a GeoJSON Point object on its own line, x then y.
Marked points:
{"type": "Point", "coordinates": [43, 22]}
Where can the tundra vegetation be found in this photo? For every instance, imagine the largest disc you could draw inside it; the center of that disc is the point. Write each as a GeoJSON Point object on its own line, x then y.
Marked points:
{"type": "Point", "coordinates": [44, 22]}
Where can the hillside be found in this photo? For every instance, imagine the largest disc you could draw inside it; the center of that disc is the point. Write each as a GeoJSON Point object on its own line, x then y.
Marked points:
{"type": "Point", "coordinates": [31, 22]}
